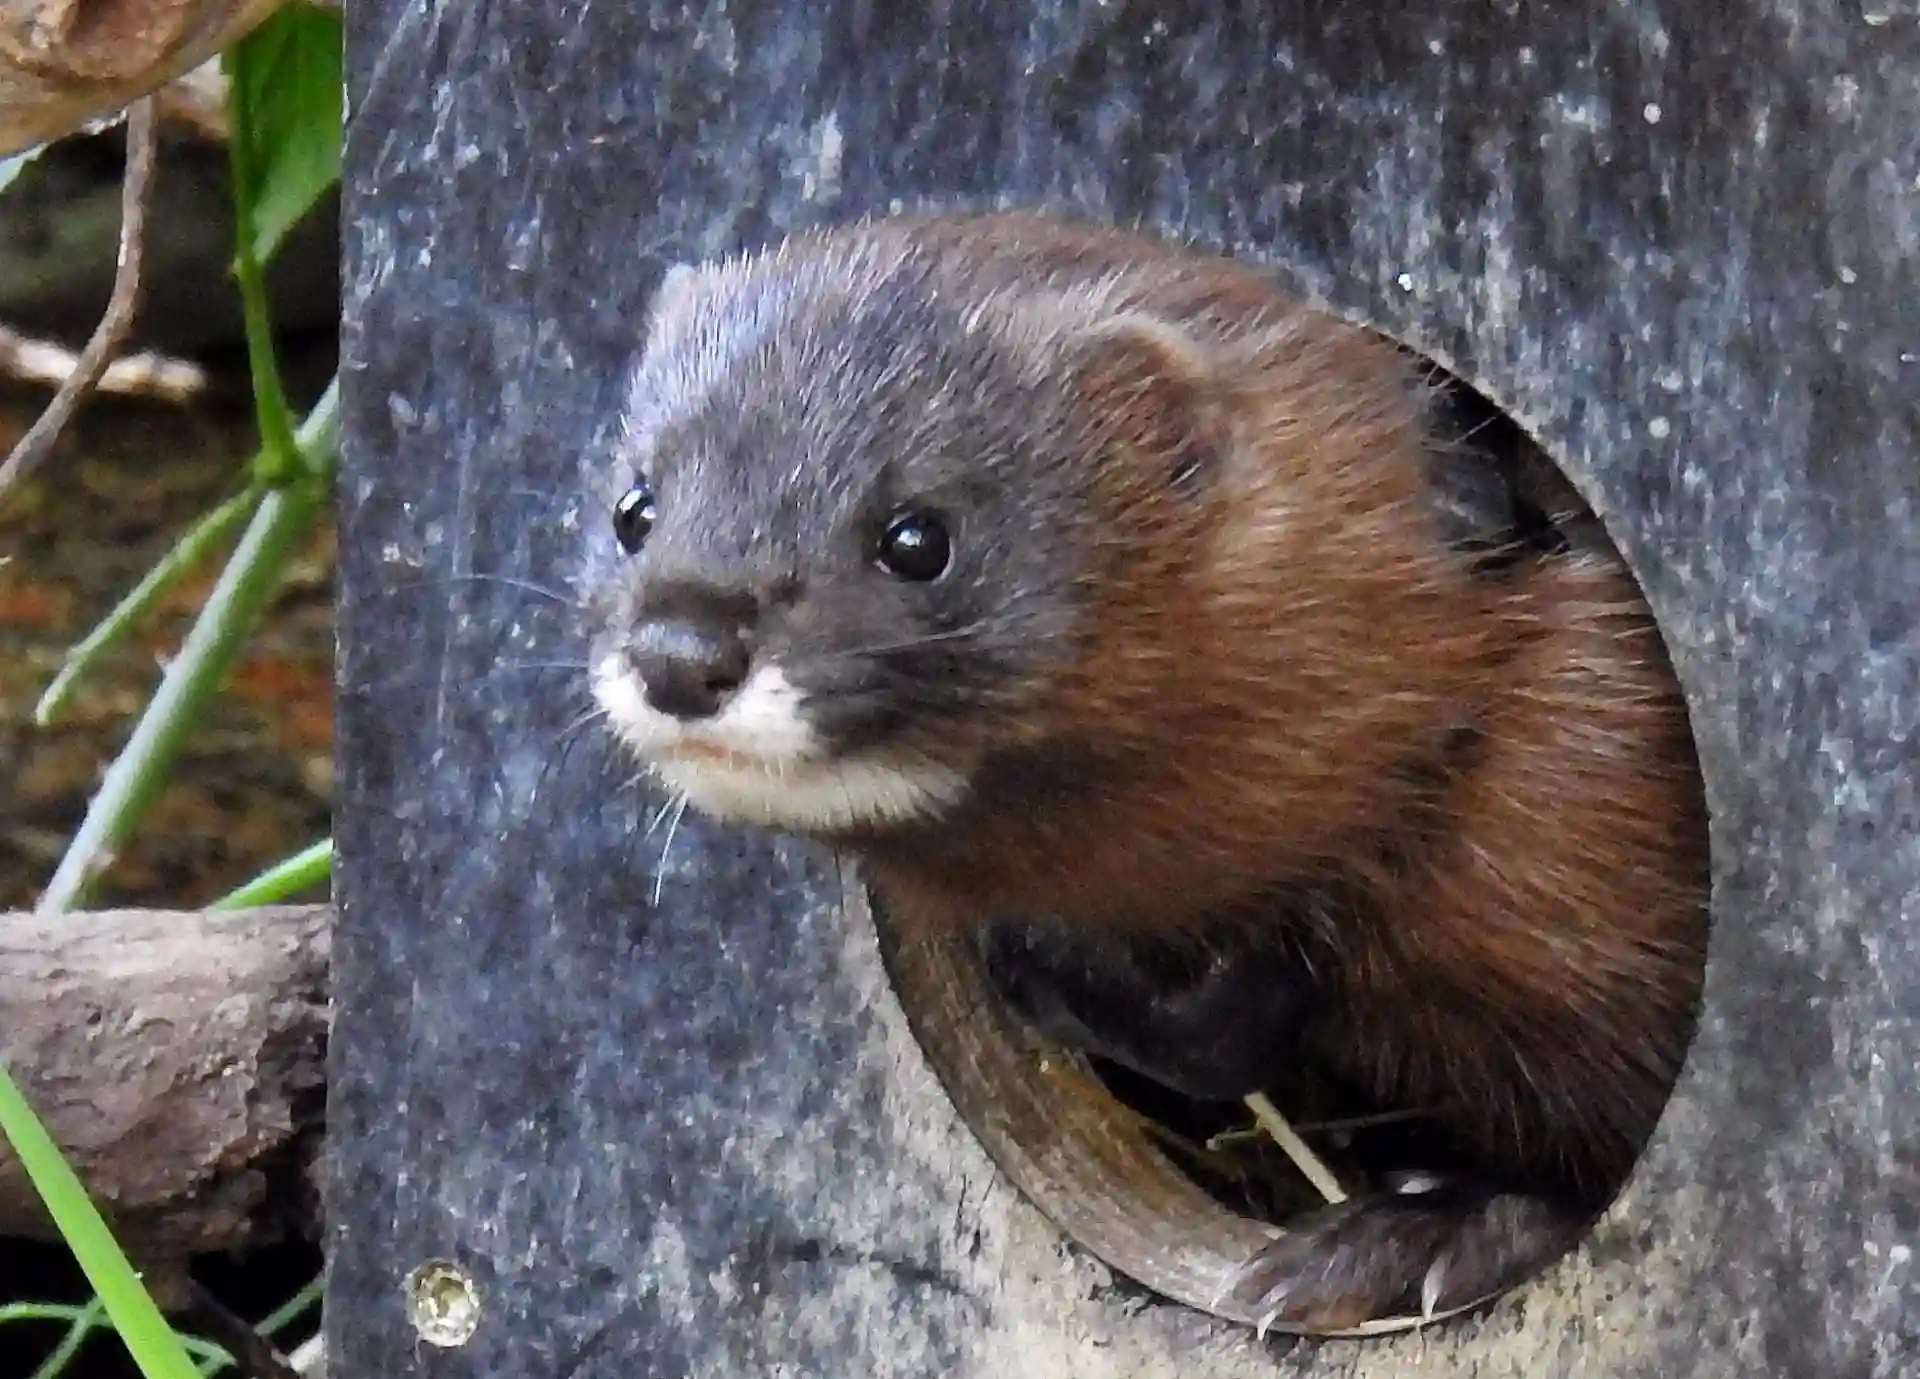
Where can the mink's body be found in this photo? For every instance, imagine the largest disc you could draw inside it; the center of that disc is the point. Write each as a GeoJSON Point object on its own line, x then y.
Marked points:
{"type": "Point", "coordinates": [1232, 655]}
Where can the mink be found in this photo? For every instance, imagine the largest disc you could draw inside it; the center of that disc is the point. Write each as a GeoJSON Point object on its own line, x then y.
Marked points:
{"type": "Point", "coordinates": [1187, 649]}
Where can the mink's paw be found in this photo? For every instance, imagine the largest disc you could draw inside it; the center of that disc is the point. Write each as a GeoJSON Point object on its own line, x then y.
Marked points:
{"type": "Point", "coordinates": [1413, 1255]}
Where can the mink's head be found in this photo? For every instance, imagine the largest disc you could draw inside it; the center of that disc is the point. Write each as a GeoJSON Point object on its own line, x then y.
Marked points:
{"type": "Point", "coordinates": [862, 523]}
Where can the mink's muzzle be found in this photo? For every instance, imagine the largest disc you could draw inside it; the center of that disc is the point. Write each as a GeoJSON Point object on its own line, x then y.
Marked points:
{"type": "Point", "coordinates": [691, 645]}
{"type": "Point", "coordinates": [689, 669]}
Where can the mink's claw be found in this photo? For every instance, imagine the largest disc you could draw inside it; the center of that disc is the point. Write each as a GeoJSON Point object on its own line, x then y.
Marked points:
{"type": "Point", "coordinates": [1412, 1255]}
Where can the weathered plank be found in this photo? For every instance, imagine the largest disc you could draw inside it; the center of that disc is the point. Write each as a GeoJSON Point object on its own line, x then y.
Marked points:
{"type": "Point", "coordinates": [681, 1129]}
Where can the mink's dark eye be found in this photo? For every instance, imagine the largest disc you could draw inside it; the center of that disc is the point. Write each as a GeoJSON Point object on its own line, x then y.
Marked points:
{"type": "Point", "coordinates": [633, 518]}
{"type": "Point", "coordinates": [916, 546]}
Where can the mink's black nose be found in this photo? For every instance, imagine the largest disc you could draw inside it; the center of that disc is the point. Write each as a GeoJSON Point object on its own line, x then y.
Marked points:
{"type": "Point", "coordinates": [688, 669]}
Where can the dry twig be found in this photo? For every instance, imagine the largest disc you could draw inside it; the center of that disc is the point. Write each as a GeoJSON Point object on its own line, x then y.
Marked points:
{"type": "Point", "coordinates": [122, 305]}
{"type": "Point", "coordinates": [146, 374]}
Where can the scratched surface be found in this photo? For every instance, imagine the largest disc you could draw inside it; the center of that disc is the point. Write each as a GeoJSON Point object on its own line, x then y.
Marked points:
{"type": "Point", "coordinates": [664, 1111]}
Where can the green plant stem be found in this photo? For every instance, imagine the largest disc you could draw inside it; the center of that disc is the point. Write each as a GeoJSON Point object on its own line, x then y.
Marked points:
{"type": "Point", "coordinates": [278, 460]}
{"type": "Point", "coordinates": [249, 582]}
{"type": "Point", "coordinates": [289, 1311]}
{"type": "Point", "coordinates": [78, 1331]}
{"type": "Point", "coordinates": [187, 553]}
{"type": "Point", "coordinates": [51, 1312]}
{"type": "Point", "coordinates": [81, 1322]}
{"type": "Point", "coordinates": [282, 879]}
{"type": "Point", "coordinates": [144, 1331]}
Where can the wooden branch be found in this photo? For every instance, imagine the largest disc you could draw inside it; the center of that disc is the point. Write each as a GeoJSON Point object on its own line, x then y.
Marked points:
{"type": "Point", "coordinates": [179, 1059]}
{"type": "Point", "coordinates": [146, 374]}
{"type": "Point", "coordinates": [66, 62]}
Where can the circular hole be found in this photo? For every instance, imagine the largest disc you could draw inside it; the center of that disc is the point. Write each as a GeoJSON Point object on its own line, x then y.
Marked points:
{"type": "Point", "coordinates": [1180, 1193]}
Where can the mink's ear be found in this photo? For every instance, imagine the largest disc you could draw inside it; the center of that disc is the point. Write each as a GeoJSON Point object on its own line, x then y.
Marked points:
{"type": "Point", "coordinates": [673, 299]}
{"type": "Point", "coordinates": [1144, 385]}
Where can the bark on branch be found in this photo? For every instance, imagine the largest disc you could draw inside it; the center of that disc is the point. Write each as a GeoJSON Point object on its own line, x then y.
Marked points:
{"type": "Point", "coordinates": [179, 1059]}
{"type": "Point", "coordinates": [65, 62]}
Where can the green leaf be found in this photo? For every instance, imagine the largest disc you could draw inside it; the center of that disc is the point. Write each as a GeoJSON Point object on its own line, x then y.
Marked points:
{"type": "Point", "coordinates": [145, 1332]}
{"type": "Point", "coordinates": [305, 868]}
{"type": "Point", "coordinates": [285, 98]}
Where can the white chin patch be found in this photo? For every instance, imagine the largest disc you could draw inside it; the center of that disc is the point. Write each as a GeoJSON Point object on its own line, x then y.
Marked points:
{"type": "Point", "coordinates": [758, 761]}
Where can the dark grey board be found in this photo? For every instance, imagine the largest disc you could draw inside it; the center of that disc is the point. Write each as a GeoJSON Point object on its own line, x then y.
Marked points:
{"type": "Point", "coordinates": [667, 1116]}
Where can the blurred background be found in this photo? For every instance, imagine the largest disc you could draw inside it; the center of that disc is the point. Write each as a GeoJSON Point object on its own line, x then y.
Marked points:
{"type": "Point", "coordinates": [167, 436]}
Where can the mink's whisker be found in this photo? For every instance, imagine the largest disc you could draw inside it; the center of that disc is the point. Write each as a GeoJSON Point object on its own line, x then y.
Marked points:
{"type": "Point", "coordinates": [914, 643]}
{"type": "Point", "coordinates": [659, 814]}
{"type": "Point", "coordinates": [506, 581]}
{"type": "Point", "coordinates": [660, 872]}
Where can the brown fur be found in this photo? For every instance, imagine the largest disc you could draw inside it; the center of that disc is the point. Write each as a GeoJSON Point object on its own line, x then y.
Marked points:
{"type": "Point", "coordinates": [1278, 664]}
{"type": "Point", "coordinates": [1271, 667]}
{"type": "Point", "coordinates": [1266, 659]}
{"type": "Point", "coordinates": [1531, 963]}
